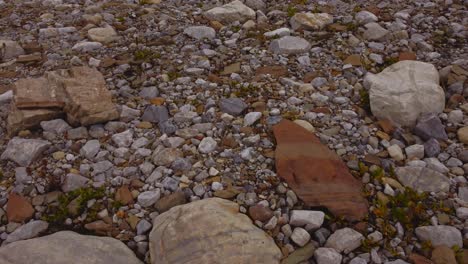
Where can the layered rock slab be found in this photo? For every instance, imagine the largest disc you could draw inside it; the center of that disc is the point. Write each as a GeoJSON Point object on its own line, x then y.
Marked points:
{"type": "Point", "coordinates": [68, 247]}
{"type": "Point", "coordinates": [209, 231]}
{"type": "Point", "coordinates": [315, 173]}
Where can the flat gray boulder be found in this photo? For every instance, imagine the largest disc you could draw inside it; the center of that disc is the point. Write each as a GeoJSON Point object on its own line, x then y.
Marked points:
{"type": "Point", "coordinates": [24, 151]}
{"type": "Point", "coordinates": [423, 179]}
{"type": "Point", "coordinates": [68, 247]}
{"type": "Point", "coordinates": [234, 11]}
{"type": "Point", "coordinates": [290, 45]}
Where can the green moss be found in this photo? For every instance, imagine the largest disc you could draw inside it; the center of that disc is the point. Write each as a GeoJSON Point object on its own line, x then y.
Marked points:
{"type": "Point", "coordinates": [351, 26]}
{"type": "Point", "coordinates": [245, 91]}
{"type": "Point", "coordinates": [145, 55]}
{"type": "Point", "coordinates": [173, 75]}
{"type": "Point", "coordinates": [58, 213]}
{"type": "Point", "coordinates": [292, 10]}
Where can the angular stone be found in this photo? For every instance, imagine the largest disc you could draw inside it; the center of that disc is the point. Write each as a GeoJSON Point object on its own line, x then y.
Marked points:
{"type": "Point", "coordinates": [19, 209]}
{"type": "Point", "coordinates": [404, 91]}
{"type": "Point", "coordinates": [374, 31]}
{"type": "Point", "coordinates": [90, 149]}
{"type": "Point", "coordinates": [260, 213]}
{"type": "Point", "coordinates": [87, 46]}
{"type": "Point", "coordinates": [441, 235]}
{"type": "Point", "coordinates": [169, 201]}
{"type": "Point", "coordinates": [423, 179]}
{"type": "Point", "coordinates": [364, 17]}
{"type": "Point", "coordinates": [9, 49]}
{"type": "Point", "coordinates": [103, 35]}
{"type": "Point", "coordinates": [180, 236]}
{"type": "Point", "coordinates": [27, 231]}
{"type": "Point", "coordinates": [124, 195]}
{"type": "Point", "coordinates": [290, 45]}
{"type": "Point", "coordinates": [57, 126]}
{"type": "Point", "coordinates": [432, 148]}
{"type": "Point", "coordinates": [316, 174]}
{"type": "Point", "coordinates": [300, 236]}
{"type": "Point", "coordinates": [327, 256]}
{"type": "Point", "coordinates": [345, 240]}
{"type": "Point", "coordinates": [148, 198]}
{"type": "Point", "coordinates": [309, 219]}
{"type": "Point", "coordinates": [24, 151]}
{"type": "Point", "coordinates": [429, 126]}
{"type": "Point", "coordinates": [29, 118]}
{"type": "Point", "coordinates": [155, 114]}
{"type": "Point", "coordinates": [33, 93]}
{"type": "Point", "coordinates": [167, 156]}
{"type": "Point", "coordinates": [207, 145]}
{"type": "Point", "coordinates": [232, 106]}
{"type": "Point", "coordinates": [232, 12]}
{"type": "Point", "coordinates": [200, 32]}
{"type": "Point", "coordinates": [310, 21]}
{"type": "Point", "coordinates": [88, 100]}
{"type": "Point", "coordinates": [300, 255]}
{"type": "Point", "coordinates": [73, 182]}
{"type": "Point", "coordinates": [68, 247]}
{"type": "Point", "coordinates": [443, 255]}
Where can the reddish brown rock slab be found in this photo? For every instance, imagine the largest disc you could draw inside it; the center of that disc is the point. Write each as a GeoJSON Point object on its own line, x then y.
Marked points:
{"type": "Point", "coordinates": [418, 259]}
{"type": "Point", "coordinates": [124, 195]}
{"type": "Point", "coordinates": [315, 173]}
{"type": "Point", "coordinates": [19, 209]}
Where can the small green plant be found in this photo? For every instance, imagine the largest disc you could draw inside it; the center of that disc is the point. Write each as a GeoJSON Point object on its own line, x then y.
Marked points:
{"type": "Point", "coordinates": [173, 75]}
{"type": "Point", "coordinates": [145, 55]}
{"type": "Point", "coordinates": [365, 101]}
{"type": "Point", "coordinates": [58, 214]}
{"type": "Point", "coordinates": [292, 10]}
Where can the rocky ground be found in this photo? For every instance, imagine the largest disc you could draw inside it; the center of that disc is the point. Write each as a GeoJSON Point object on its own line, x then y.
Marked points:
{"type": "Point", "coordinates": [190, 131]}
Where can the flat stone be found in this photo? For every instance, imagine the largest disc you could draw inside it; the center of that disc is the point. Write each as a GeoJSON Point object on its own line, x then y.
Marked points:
{"type": "Point", "coordinates": [441, 235]}
{"type": "Point", "coordinates": [27, 231]}
{"type": "Point", "coordinates": [345, 240]}
{"type": "Point", "coordinates": [298, 154]}
{"type": "Point", "coordinates": [200, 32]}
{"type": "Point", "coordinates": [179, 236]}
{"type": "Point", "coordinates": [123, 139]}
{"type": "Point", "coordinates": [374, 31]}
{"type": "Point", "coordinates": [103, 35]}
{"type": "Point", "coordinates": [309, 219]}
{"type": "Point", "coordinates": [167, 156]}
{"type": "Point", "coordinates": [148, 198]}
{"type": "Point", "coordinates": [251, 118]}
{"type": "Point", "coordinates": [423, 179]}
{"type": "Point", "coordinates": [310, 21]}
{"type": "Point", "coordinates": [429, 126]}
{"type": "Point", "coordinates": [415, 152]}
{"type": "Point", "coordinates": [90, 149]}
{"type": "Point", "coordinates": [68, 247]}
{"type": "Point", "coordinates": [443, 255]}
{"type": "Point", "coordinates": [207, 145]}
{"type": "Point", "coordinates": [57, 126]}
{"type": "Point", "coordinates": [155, 114]}
{"type": "Point", "coordinates": [232, 12]}
{"type": "Point", "coordinates": [418, 81]}
{"type": "Point", "coordinates": [87, 46]}
{"type": "Point", "coordinates": [73, 182]}
{"type": "Point", "coordinates": [19, 209]}
{"type": "Point", "coordinates": [124, 195]}
{"type": "Point", "coordinates": [300, 255]}
{"type": "Point", "coordinates": [260, 213]}
{"type": "Point", "coordinates": [232, 106]}
{"type": "Point", "coordinates": [327, 256]}
{"type": "Point", "coordinates": [300, 236]}
{"type": "Point", "coordinates": [24, 151]}
{"type": "Point", "coordinates": [364, 17]}
{"type": "Point", "coordinates": [169, 201]}
{"type": "Point", "coordinates": [290, 45]}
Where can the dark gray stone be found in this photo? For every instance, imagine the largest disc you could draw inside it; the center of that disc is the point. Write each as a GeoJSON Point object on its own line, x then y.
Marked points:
{"type": "Point", "coordinates": [232, 106]}
{"type": "Point", "coordinates": [155, 114]}
{"type": "Point", "coordinates": [167, 127]}
{"type": "Point", "coordinates": [429, 126]}
{"type": "Point", "coordinates": [463, 156]}
{"type": "Point", "coordinates": [432, 148]}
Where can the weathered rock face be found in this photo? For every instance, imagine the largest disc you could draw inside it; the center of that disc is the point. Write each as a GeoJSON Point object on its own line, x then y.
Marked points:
{"type": "Point", "coordinates": [80, 92]}
{"type": "Point", "coordinates": [234, 11]}
{"type": "Point", "coordinates": [316, 174]}
{"type": "Point", "coordinates": [209, 231]}
{"type": "Point", "coordinates": [68, 247]}
{"type": "Point", "coordinates": [404, 91]}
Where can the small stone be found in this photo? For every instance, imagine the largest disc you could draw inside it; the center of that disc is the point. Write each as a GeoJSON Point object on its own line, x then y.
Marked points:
{"type": "Point", "coordinates": [19, 209]}
{"type": "Point", "coordinates": [124, 195]}
{"type": "Point", "coordinates": [155, 114]}
{"type": "Point", "coordinates": [143, 226]}
{"type": "Point", "coordinates": [87, 46]}
{"type": "Point", "coordinates": [57, 126]}
{"type": "Point", "coordinates": [423, 179]}
{"type": "Point", "coordinates": [462, 134]}
{"type": "Point", "coordinates": [73, 182]}
{"type": "Point", "coordinates": [232, 106]}
{"type": "Point", "coordinates": [310, 21]}
{"type": "Point", "coordinates": [290, 45]}
{"type": "Point", "coordinates": [300, 236]}
{"type": "Point", "coordinates": [415, 152]}
{"type": "Point", "coordinates": [345, 240]}
{"type": "Point", "coordinates": [167, 156]}
{"type": "Point", "coordinates": [232, 12]}
{"type": "Point", "coordinates": [308, 126]}
{"type": "Point", "coordinates": [300, 255]}
{"type": "Point", "coordinates": [148, 198]}
{"type": "Point", "coordinates": [123, 139]}
{"type": "Point", "coordinates": [27, 231]}
{"type": "Point", "coordinates": [374, 31]}
{"type": "Point", "coordinates": [207, 145]}
{"type": "Point", "coordinates": [90, 149]}
{"type": "Point", "coordinates": [432, 148]}
{"type": "Point", "coordinates": [441, 235]}
{"type": "Point", "coordinates": [200, 32]}
{"type": "Point", "coordinates": [429, 126]}
{"type": "Point", "coordinates": [443, 255]}
{"type": "Point", "coordinates": [327, 256]}
{"type": "Point", "coordinates": [251, 118]}
{"type": "Point", "coordinates": [260, 213]}
{"type": "Point", "coordinates": [395, 152]}
{"type": "Point", "coordinates": [103, 35]}
{"type": "Point", "coordinates": [364, 17]}
{"type": "Point", "coordinates": [169, 201]}
{"type": "Point", "coordinates": [462, 213]}
{"type": "Point", "coordinates": [24, 151]}
{"type": "Point", "coordinates": [310, 219]}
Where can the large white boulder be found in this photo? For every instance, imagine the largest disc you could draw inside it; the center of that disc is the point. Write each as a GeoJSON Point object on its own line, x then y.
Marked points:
{"type": "Point", "coordinates": [404, 91]}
